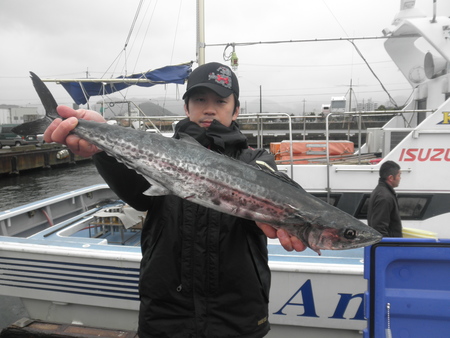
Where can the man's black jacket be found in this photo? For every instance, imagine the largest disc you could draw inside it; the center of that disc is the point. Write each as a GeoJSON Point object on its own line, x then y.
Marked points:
{"type": "Point", "coordinates": [383, 214]}
{"type": "Point", "coordinates": [203, 273]}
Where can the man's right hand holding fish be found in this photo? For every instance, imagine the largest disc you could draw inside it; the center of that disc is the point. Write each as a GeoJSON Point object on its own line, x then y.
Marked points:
{"type": "Point", "coordinates": [59, 130]}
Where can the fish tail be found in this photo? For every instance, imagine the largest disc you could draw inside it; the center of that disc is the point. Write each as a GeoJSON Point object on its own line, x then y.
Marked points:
{"type": "Point", "coordinates": [49, 103]}
{"type": "Point", "coordinates": [33, 127]}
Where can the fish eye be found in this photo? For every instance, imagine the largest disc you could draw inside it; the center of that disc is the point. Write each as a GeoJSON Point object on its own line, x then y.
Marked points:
{"type": "Point", "coordinates": [350, 234]}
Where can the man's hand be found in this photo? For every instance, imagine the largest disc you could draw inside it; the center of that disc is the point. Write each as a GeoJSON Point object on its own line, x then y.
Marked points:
{"type": "Point", "coordinates": [289, 243]}
{"type": "Point", "coordinates": [59, 130]}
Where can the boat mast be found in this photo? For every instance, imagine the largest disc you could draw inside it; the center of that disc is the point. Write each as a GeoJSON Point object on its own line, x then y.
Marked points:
{"type": "Point", "coordinates": [200, 32]}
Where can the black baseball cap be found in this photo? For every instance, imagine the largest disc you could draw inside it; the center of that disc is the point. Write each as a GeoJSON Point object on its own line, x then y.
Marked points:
{"type": "Point", "coordinates": [215, 76]}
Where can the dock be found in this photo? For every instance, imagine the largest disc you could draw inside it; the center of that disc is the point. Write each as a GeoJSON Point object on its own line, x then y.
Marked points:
{"type": "Point", "coordinates": [17, 159]}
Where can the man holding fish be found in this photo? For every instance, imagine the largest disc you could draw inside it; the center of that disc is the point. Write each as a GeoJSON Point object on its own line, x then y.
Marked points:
{"type": "Point", "coordinates": [204, 273]}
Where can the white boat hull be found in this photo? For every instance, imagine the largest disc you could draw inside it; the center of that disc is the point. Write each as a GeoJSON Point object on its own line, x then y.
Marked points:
{"type": "Point", "coordinates": [87, 282]}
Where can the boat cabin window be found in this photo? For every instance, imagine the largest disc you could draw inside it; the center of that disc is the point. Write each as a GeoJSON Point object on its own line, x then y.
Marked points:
{"type": "Point", "coordinates": [411, 206]}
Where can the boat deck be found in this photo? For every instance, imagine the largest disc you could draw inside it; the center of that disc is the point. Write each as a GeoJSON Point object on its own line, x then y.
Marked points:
{"type": "Point", "coordinates": [103, 228]}
{"type": "Point", "coordinates": [86, 232]}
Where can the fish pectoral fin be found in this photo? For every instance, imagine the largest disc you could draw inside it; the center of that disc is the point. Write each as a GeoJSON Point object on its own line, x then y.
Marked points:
{"type": "Point", "coordinates": [156, 189]}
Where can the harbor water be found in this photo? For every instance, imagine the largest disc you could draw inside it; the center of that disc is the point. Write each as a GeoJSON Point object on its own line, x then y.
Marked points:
{"type": "Point", "coordinates": [33, 185]}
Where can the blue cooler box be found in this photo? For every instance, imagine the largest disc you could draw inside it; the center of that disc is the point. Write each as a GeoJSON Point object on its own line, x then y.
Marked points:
{"type": "Point", "coordinates": [408, 288]}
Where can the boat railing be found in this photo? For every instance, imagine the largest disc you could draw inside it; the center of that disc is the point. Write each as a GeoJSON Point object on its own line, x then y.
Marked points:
{"type": "Point", "coordinates": [260, 118]}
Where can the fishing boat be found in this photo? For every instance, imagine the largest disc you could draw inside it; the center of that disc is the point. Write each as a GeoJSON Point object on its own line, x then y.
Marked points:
{"type": "Point", "coordinates": [416, 138]}
{"type": "Point", "coordinates": [74, 258]}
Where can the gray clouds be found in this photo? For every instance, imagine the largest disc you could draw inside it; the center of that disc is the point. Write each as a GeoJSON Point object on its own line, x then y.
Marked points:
{"type": "Point", "coordinates": [67, 38]}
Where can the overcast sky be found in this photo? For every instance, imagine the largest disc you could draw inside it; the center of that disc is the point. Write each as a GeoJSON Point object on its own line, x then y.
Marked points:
{"type": "Point", "coordinates": [72, 38]}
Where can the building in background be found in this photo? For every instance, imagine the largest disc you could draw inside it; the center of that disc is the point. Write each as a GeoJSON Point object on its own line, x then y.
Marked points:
{"type": "Point", "coordinates": [368, 105]}
{"type": "Point", "coordinates": [10, 114]}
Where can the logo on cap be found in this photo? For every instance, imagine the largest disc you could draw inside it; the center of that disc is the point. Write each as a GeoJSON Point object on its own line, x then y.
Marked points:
{"type": "Point", "coordinates": [223, 78]}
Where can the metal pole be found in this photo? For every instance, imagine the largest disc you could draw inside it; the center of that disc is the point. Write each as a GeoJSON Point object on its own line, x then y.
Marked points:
{"type": "Point", "coordinates": [359, 137]}
{"type": "Point", "coordinates": [304, 121]}
{"type": "Point", "coordinates": [350, 106]}
{"type": "Point", "coordinates": [260, 122]}
{"type": "Point", "coordinates": [328, 157]}
{"type": "Point", "coordinates": [200, 32]}
{"type": "Point", "coordinates": [291, 150]}
{"type": "Point", "coordinates": [350, 96]}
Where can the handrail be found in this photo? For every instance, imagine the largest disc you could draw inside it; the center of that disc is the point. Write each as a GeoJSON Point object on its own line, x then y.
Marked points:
{"type": "Point", "coordinates": [368, 170]}
{"type": "Point", "coordinates": [272, 115]}
{"type": "Point", "coordinates": [260, 135]}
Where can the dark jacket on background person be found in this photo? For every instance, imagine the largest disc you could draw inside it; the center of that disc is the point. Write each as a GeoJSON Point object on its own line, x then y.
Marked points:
{"type": "Point", "coordinates": [383, 214]}
{"type": "Point", "coordinates": [203, 273]}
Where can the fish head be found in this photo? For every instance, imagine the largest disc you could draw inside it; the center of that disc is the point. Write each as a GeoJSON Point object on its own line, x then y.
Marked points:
{"type": "Point", "coordinates": [321, 226]}
{"type": "Point", "coordinates": [340, 237]}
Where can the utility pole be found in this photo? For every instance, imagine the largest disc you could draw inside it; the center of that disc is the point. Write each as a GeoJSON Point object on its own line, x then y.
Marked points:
{"type": "Point", "coordinates": [304, 120]}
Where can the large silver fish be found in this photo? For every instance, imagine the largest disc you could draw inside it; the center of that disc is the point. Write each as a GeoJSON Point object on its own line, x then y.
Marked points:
{"type": "Point", "coordinates": [186, 169]}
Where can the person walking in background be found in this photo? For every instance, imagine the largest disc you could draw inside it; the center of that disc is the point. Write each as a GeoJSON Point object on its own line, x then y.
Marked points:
{"type": "Point", "coordinates": [383, 214]}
